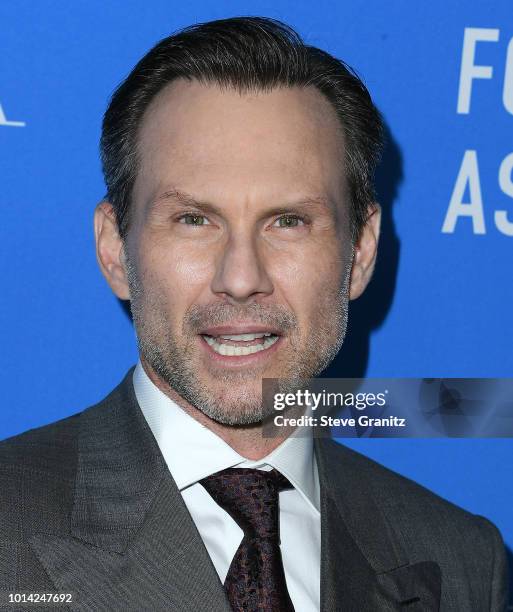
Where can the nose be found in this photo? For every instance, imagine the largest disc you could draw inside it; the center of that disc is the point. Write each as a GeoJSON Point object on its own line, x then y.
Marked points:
{"type": "Point", "coordinates": [241, 273]}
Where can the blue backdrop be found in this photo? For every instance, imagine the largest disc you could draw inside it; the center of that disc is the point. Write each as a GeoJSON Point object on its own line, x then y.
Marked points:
{"type": "Point", "coordinates": [441, 301]}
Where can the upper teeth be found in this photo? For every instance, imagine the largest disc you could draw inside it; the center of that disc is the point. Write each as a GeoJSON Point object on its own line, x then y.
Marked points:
{"type": "Point", "coordinates": [245, 337]}
{"type": "Point", "coordinates": [243, 349]}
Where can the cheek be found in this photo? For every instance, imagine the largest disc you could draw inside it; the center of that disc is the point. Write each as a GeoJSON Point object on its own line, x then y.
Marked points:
{"type": "Point", "coordinates": [176, 267]}
{"type": "Point", "coordinates": [173, 279]}
{"type": "Point", "coordinates": [310, 284]}
{"type": "Point", "coordinates": [191, 270]}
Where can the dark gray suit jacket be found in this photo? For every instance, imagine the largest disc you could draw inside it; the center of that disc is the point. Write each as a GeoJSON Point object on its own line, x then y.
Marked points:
{"type": "Point", "coordinates": [89, 507]}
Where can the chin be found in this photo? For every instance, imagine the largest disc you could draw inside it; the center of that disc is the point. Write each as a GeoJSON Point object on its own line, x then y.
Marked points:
{"type": "Point", "coordinates": [246, 401]}
{"type": "Point", "coordinates": [234, 417]}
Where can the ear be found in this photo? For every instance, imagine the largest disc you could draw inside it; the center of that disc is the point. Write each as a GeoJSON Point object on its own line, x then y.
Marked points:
{"type": "Point", "coordinates": [109, 249]}
{"type": "Point", "coordinates": [365, 252]}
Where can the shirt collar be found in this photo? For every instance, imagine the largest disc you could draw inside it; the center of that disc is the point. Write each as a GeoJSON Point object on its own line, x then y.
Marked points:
{"type": "Point", "coordinates": [193, 452]}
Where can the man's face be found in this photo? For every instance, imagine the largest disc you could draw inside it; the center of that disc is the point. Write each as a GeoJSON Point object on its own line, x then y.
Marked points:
{"type": "Point", "coordinates": [239, 251]}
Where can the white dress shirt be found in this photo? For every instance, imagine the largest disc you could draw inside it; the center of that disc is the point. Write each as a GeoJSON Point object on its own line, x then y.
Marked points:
{"type": "Point", "coordinates": [193, 452]}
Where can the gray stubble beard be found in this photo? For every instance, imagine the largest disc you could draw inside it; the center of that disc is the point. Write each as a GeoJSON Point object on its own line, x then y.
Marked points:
{"type": "Point", "coordinates": [174, 364]}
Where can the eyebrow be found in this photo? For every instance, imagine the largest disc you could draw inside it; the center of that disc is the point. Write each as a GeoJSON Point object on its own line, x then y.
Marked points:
{"type": "Point", "coordinates": [187, 200]}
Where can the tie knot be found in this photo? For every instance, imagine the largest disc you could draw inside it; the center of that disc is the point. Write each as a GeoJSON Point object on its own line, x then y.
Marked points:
{"type": "Point", "coordinates": [250, 497]}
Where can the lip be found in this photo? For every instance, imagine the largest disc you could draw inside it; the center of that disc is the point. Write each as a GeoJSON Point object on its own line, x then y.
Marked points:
{"type": "Point", "coordinates": [240, 360]}
{"type": "Point", "coordinates": [242, 328]}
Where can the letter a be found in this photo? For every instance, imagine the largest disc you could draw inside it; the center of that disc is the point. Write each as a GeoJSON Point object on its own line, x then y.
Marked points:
{"type": "Point", "coordinates": [469, 173]}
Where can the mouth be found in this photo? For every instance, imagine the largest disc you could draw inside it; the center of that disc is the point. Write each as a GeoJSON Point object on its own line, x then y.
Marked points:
{"type": "Point", "coordinates": [237, 345]}
{"type": "Point", "coordinates": [234, 344]}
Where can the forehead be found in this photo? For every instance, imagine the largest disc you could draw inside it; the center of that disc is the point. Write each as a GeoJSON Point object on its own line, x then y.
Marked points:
{"type": "Point", "coordinates": [213, 139]}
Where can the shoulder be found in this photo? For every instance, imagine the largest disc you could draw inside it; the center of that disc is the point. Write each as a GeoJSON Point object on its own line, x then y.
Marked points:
{"type": "Point", "coordinates": [347, 466]}
{"type": "Point", "coordinates": [419, 513]}
{"type": "Point", "coordinates": [37, 472]}
{"type": "Point", "coordinates": [51, 450]}
{"type": "Point", "coordinates": [38, 468]}
{"type": "Point", "coordinates": [427, 526]}
{"type": "Point", "coordinates": [48, 449]}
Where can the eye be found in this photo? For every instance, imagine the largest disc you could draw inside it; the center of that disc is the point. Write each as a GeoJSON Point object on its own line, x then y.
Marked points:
{"type": "Point", "coordinates": [289, 221]}
{"type": "Point", "coordinates": [193, 219]}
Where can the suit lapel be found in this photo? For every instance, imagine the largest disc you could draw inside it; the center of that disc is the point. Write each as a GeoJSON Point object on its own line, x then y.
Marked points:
{"type": "Point", "coordinates": [133, 544]}
{"type": "Point", "coordinates": [364, 565]}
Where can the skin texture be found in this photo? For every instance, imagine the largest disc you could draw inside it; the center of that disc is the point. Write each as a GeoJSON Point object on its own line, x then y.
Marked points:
{"type": "Point", "coordinates": [239, 216]}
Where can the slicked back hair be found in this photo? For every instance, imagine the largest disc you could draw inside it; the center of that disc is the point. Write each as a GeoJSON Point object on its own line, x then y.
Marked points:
{"type": "Point", "coordinates": [246, 54]}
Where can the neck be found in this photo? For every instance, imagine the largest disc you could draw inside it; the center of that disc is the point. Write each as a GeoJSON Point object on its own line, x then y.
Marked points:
{"type": "Point", "coordinates": [247, 440]}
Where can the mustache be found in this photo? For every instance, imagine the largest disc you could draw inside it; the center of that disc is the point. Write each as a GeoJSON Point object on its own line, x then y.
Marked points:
{"type": "Point", "coordinates": [276, 316]}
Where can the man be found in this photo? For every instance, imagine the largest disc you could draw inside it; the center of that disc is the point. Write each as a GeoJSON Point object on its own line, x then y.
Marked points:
{"type": "Point", "coordinates": [239, 221]}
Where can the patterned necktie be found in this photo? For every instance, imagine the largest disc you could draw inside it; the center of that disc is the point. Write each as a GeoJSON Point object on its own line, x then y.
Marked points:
{"type": "Point", "coordinates": [255, 579]}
